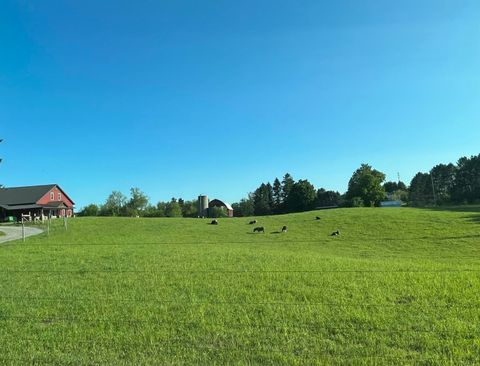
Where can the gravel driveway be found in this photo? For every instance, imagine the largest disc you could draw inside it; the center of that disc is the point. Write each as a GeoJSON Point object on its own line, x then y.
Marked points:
{"type": "Point", "coordinates": [15, 232]}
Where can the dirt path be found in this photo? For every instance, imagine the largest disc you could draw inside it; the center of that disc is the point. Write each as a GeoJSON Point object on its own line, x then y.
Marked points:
{"type": "Point", "coordinates": [15, 232]}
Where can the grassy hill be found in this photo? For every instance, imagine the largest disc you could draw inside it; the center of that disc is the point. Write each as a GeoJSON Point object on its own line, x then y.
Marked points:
{"type": "Point", "coordinates": [398, 286]}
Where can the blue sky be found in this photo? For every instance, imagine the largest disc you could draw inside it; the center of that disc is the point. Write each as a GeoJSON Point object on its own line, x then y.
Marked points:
{"type": "Point", "coordinates": [187, 97]}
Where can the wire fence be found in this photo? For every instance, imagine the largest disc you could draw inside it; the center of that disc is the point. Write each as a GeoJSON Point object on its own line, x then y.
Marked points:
{"type": "Point", "coordinates": [247, 354]}
{"type": "Point", "coordinates": [307, 326]}
{"type": "Point", "coordinates": [239, 303]}
{"type": "Point", "coordinates": [312, 330]}
{"type": "Point", "coordinates": [240, 272]}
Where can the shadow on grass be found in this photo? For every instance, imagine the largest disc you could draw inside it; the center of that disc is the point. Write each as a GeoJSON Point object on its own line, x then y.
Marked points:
{"type": "Point", "coordinates": [464, 208]}
{"type": "Point", "coordinates": [474, 218]}
{"type": "Point", "coordinates": [432, 237]}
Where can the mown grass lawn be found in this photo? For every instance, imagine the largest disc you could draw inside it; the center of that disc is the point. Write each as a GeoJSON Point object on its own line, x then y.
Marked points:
{"type": "Point", "coordinates": [398, 286]}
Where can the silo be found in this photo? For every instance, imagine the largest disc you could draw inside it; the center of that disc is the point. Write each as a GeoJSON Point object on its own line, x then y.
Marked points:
{"type": "Point", "coordinates": [202, 206]}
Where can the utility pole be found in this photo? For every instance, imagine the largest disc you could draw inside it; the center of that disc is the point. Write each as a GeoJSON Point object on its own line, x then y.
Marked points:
{"type": "Point", "coordinates": [433, 190]}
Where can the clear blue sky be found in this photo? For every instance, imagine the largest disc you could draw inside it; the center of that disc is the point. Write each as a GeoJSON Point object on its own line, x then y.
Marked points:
{"type": "Point", "coordinates": [187, 97]}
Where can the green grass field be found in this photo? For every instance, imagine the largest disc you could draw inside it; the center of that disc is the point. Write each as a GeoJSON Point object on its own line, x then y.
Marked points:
{"type": "Point", "coordinates": [397, 287]}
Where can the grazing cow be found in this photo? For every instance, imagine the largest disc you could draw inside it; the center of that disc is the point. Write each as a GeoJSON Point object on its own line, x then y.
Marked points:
{"type": "Point", "coordinates": [259, 229]}
{"type": "Point", "coordinates": [317, 218]}
{"type": "Point", "coordinates": [284, 229]}
{"type": "Point", "coordinates": [252, 222]}
{"type": "Point", "coordinates": [335, 233]}
{"type": "Point", "coordinates": [214, 222]}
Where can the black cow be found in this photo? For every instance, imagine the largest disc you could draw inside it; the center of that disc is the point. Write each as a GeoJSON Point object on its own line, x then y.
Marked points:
{"type": "Point", "coordinates": [335, 233]}
{"type": "Point", "coordinates": [317, 218]}
{"type": "Point", "coordinates": [252, 222]}
{"type": "Point", "coordinates": [214, 222]}
{"type": "Point", "coordinates": [259, 229]}
{"type": "Point", "coordinates": [284, 229]}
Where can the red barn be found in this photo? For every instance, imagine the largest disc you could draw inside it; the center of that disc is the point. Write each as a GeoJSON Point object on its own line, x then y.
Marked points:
{"type": "Point", "coordinates": [223, 205]}
{"type": "Point", "coordinates": [36, 201]}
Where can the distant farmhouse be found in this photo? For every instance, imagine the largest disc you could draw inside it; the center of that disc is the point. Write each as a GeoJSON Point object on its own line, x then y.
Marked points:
{"type": "Point", "coordinates": [204, 205]}
{"type": "Point", "coordinates": [38, 202]}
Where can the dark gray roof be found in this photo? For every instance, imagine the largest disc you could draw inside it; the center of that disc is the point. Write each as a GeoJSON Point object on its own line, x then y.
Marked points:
{"type": "Point", "coordinates": [23, 195]}
{"type": "Point", "coordinates": [20, 207]}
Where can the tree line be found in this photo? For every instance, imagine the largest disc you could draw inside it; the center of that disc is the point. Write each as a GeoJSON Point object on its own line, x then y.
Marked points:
{"type": "Point", "coordinates": [117, 204]}
{"type": "Point", "coordinates": [444, 184]}
{"type": "Point", "coordinates": [447, 184]}
{"type": "Point", "coordinates": [285, 196]}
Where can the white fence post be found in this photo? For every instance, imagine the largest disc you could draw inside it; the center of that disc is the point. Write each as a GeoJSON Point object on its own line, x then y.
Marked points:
{"type": "Point", "coordinates": [23, 229]}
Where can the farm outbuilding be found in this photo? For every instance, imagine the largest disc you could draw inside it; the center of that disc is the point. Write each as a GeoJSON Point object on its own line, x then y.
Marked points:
{"type": "Point", "coordinates": [37, 202]}
{"type": "Point", "coordinates": [223, 205]}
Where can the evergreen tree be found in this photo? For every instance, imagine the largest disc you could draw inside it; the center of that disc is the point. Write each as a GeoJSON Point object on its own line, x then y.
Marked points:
{"type": "Point", "coordinates": [467, 180]}
{"type": "Point", "coordinates": [443, 177]}
{"type": "Point", "coordinates": [420, 192]}
{"type": "Point", "coordinates": [261, 200]}
{"type": "Point", "coordinates": [390, 187]}
{"type": "Point", "coordinates": [271, 202]}
{"type": "Point", "coordinates": [287, 184]}
{"type": "Point", "coordinates": [277, 194]}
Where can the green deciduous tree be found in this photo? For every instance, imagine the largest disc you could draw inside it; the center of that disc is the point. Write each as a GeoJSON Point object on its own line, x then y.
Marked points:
{"type": "Point", "coordinates": [161, 209]}
{"type": "Point", "coordinates": [114, 204]}
{"type": "Point", "coordinates": [90, 210]}
{"type": "Point", "coordinates": [137, 203]}
{"type": "Point", "coordinates": [327, 198]}
{"type": "Point", "coordinates": [215, 212]}
{"type": "Point", "coordinates": [302, 196]}
{"type": "Point", "coordinates": [366, 183]}
{"type": "Point", "coordinates": [189, 208]}
{"type": "Point", "coordinates": [173, 209]}
{"type": "Point", "coordinates": [245, 207]}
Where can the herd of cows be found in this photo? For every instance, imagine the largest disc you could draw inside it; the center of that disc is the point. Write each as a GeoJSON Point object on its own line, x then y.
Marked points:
{"type": "Point", "coordinates": [261, 229]}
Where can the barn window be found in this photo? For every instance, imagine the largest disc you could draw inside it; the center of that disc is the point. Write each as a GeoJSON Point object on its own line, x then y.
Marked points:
{"type": "Point", "coordinates": [52, 196]}
{"type": "Point", "coordinates": [59, 196]}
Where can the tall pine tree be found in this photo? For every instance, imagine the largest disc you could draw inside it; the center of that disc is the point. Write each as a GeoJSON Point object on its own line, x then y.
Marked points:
{"type": "Point", "coordinates": [262, 198]}
{"type": "Point", "coordinates": [287, 184]}
{"type": "Point", "coordinates": [277, 195]}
